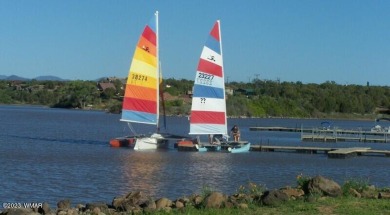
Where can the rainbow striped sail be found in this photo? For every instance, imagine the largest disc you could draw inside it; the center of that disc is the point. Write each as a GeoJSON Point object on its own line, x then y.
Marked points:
{"type": "Point", "coordinates": [208, 110]}
{"type": "Point", "coordinates": [141, 99]}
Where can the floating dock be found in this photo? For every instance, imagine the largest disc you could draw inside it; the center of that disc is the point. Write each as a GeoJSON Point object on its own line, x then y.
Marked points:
{"type": "Point", "coordinates": [331, 152]}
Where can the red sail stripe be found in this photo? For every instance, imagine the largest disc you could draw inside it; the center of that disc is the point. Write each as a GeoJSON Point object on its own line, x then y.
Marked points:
{"type": "Point", "coordinates": [150, 35]}
{"type": "Point", "coordinates": [207, 117]}
{"type": "Point", "coordinates": [208, 67]}
{"type": "Point", "coordinates": [140, 105]}
{"type": "Point", "coordinates": [215, 31]}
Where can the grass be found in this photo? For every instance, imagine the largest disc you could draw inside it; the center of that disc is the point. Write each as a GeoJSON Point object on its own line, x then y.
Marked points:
{"type": "Point", "coordinates": [323, 206]}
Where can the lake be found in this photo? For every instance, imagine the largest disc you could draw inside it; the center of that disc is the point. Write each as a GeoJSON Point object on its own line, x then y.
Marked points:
{"type": "Point", "coordinates": [49, 155]}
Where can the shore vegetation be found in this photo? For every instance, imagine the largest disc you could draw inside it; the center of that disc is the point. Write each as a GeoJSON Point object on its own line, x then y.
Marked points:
{"type": "Point", "coordinates": [259, 98]}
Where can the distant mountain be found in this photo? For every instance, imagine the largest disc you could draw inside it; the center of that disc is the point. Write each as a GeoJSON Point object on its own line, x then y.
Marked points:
{"type": "Point", "coordinates": [16, 78]}
{"type": "Point", "coordinates": [49, 78]}
{"type": "Point", "coordinates": [39, 78]}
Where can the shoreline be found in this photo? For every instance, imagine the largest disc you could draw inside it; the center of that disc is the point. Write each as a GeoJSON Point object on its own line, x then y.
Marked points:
{"type": "Point", "coordinates": [249, 198]}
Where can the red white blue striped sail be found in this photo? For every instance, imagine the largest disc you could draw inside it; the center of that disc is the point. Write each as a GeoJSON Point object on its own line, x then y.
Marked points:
{"type": "Point", "coordinates": [208, 110]}
{"type": "Point", "coordinates": [141, 99]}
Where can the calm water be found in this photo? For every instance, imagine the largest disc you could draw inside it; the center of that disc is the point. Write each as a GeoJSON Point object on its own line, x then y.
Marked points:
{"type": "Point", "coordinates": [47, 155]}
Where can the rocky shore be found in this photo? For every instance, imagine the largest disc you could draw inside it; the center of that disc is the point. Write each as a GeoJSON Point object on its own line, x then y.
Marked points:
{"type": "Point", "coordinates": [309, 189]}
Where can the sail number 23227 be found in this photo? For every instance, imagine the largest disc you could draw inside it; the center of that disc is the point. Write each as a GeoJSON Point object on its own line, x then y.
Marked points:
{"type": "Point", "coordinates": [204, 78]}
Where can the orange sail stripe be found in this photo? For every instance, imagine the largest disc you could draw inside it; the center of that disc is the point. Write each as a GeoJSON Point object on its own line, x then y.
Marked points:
{"type": "Point", "coordinates": [140, 105]}
{"type": "Point", "coordinates": [141, 93]}
{"type": "Point", "coordinates": [147, 46]}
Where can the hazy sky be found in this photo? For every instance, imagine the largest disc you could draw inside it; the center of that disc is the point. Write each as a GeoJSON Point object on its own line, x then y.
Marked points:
{"type": "Point", "coordinates": [312, 41]}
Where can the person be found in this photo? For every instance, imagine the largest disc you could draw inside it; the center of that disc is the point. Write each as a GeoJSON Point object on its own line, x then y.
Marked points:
{"type": "Point", "coordinates": [235, 133]}
{"type": "Point", "coordinates": [214, 139]}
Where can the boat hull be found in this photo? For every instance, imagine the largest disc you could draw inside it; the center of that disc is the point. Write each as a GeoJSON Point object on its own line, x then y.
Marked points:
{"type": "Point", "coordinates": [239, 147]}
{"type": "Point", "coordinates": [192, 145]}
{"type": "Point", "coordinates": [123, 142]}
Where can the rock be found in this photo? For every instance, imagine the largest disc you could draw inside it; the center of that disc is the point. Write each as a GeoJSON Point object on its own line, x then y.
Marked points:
{"type": "Point", "coordinates": [71, 211]}
{"type": "Point", "coordinates": [354, 193]}
{"type": "Point", "coordinates": [273, 198]}
{"type": "Point", "coordinates": [323, 186]}
{"type": "Point", "coordinates": [149, 205]}
{"type": "Point", "coordinates": [101, 205]}
{"type": "Point", "coordinates": [179, 204]}
{"type": "Point", "coordinates": [130, 202]}
{"type": "Point", "coordinates": [163, 203]}
{"type": "Point", "coordinates": [384, 195]}
{"type": "Point", "coordinates": [215, 200]}
{"type": "Point", "coordinates": [96, 211]}
{"type": "Point", "coordinates": [18, 211]}
{"type": "Point", "coordinates": [293, 193]}
{"type": "Point", "coordinates": [64, 204]}
{"type": "Point", "coordinates": [371, 194]}
{"type": "Point", "coordinates": [243, 206]}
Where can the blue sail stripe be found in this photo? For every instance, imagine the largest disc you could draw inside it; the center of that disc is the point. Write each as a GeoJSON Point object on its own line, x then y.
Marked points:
{"type": "Point", "coordinates": [208, 92]}
{"type": "Point", "coordinates": [136, 116]}
{"type": "Point", "coordinates": [213, 44]}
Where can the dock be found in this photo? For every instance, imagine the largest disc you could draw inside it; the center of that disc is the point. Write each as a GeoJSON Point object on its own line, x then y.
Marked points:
{"type": "Point", "coordinates": [331, 152]}
{"type": "Point", "coordinates": [332, 135]}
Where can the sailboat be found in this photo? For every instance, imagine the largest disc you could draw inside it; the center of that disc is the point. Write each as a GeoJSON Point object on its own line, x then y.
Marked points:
{"type": "Point", "coordinates": [141, 98]}
{"type": "Point", "coordinates": [208, 109]}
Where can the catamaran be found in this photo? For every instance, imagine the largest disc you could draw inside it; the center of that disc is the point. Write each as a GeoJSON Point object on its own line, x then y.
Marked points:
{"type": "Point", "coordinates": [141, 100]}
{"type": "Point", "coordinates": [208, 109]}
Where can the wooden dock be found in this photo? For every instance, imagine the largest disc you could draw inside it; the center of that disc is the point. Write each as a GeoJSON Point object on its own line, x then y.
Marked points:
{"type": "Point", "coordinates": [332, 135]}
{"type": "Point", "coordinates": [335, 138]}
{"type": "Point", "coordinates": [331, 152]}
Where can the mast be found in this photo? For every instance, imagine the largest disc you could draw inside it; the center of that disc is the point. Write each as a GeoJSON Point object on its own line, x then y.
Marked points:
{"type": "Point", "coordinates": [223, 70]}
{"type": "Point", "coordinates": [158, 71]}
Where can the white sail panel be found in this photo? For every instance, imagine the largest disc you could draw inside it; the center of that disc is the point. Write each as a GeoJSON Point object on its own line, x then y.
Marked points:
{"type": "Point", "coordinates": [199, 129]}
{"type": "Point", "coordinates": [208, 104]}
{"type": "Point", "coordinates": [211, 56]}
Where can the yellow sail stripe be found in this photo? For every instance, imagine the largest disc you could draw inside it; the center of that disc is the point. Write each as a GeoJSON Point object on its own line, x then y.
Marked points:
{"type": "Point", "coordinates": [145, 56]}
{"type": "Point", "coordinates": [140, 79]}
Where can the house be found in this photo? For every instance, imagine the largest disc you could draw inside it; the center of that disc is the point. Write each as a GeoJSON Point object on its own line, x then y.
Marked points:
{"type": "Point", "coordinates": [103, 86]}
{"type": "Point", "coordinates": [246, 92]}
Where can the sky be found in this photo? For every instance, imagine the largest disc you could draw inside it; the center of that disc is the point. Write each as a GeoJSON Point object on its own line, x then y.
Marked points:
{"type": "Point", "coordinates": [310, 41]}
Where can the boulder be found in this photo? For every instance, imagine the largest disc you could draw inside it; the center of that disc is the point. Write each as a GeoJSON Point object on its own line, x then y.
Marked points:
{"type": "Point", "coordinates": [129, 202]}
{"type": "Point", "coordinates": [179, 204]}
{"type": "Point", "coordinates": [324, 186]}
{"type": "Point", "coordinates": [293, 193]}
{"type": "Point", "coordinates": [215, 200]}
{"type": "Point", "coordinates": [18, 211]}
{"type": "Point", "coordinates": [64, 204]}
{"type": "Point", "coordinates": [273, 198]}
{"type": "Point", "coordinates": [384, 195]}
{"type": "Point", "coordinates": [163, 203]}
{"type": "Point", "coordinates": [100, 205]}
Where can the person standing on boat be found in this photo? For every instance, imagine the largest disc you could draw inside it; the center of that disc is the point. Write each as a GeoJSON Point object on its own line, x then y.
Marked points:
{"type": "Point", "coordinates": [235, 133]}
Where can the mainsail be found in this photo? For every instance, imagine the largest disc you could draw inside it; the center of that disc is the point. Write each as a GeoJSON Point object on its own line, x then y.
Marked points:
{"type": "Point", "coordinates": [208, 110]}
{"type": "Point", "coordinates": [141, 98]}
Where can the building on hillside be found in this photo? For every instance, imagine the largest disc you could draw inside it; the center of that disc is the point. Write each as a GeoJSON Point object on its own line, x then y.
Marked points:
{"type": "Point", "coordinates": [103, 86]}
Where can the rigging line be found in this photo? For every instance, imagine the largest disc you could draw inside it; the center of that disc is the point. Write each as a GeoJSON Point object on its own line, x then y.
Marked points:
{"type": "Point", "coordinates": [131, 128]}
